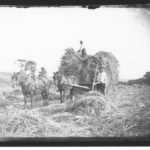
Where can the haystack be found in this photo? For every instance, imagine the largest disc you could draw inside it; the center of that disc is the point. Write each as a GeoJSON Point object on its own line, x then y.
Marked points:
{"type": "Point", "coordinates": [84, 69]}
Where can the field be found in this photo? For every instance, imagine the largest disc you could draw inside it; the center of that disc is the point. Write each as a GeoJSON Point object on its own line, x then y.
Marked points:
{"type": "Point", "coordinates": [124, 112]}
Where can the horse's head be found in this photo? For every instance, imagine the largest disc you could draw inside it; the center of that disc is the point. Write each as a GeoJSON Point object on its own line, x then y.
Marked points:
{"type": "Point", "coordinates": [14, 79]}
{"type": "Point", "coordinates": [18, 78]}
{"type": "Point", "coordinates": [23, 78]}
{"type": "Point", "coordinates": [57, 76]}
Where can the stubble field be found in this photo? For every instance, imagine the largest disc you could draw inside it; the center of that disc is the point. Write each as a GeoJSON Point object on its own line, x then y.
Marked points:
{"type": "Point", "coordinates": [124, 112]}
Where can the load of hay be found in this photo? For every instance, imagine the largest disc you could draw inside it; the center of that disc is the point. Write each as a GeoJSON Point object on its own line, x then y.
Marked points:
{"type": "Point", "coordinates": [70, 63]}
{"type": "Point", "coordinates": [84, 69]}
{"type": "Point", "coordinates": [111, 64]}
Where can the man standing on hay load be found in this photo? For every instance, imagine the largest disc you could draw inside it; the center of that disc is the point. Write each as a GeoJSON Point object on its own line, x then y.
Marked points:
{"type": "Point", "coordinates": [82, 51]}
{"type": "Point", "coordinates": [101, 80]}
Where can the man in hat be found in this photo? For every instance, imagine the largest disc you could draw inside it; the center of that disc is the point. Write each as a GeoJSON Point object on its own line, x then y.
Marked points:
{"type": "Point", "coordinates": [43, 72]}
{"type": "Point", "coordinates": [101, 80]}
{"type": "Point", "coordinates": [43, 75]}
{"type": "Point", "coordinates": [84, 54]}
{"type": "Point", "coordinates": [82, 51]}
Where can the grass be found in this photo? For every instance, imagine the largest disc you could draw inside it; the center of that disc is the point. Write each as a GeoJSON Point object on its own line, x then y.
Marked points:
{"type": "Point", "coordinates": [124, 112]}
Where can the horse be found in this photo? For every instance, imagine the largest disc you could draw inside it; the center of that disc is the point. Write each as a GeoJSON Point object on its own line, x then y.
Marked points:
{"type": "Point", "coordinates": [31, 87]}
{"type": "Point", "coordinates": [14, 79]}
{"type": "Point", "coordinates": [62, 82]}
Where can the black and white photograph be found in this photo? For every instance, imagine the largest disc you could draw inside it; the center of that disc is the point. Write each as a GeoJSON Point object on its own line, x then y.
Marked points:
{"type": "Point", "coordinates": [73, 72]}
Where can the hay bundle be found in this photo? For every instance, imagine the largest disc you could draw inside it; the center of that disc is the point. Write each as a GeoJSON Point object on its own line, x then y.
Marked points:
{"type": "Point", "coordinates": [84, 69]}
{"type": "Point", "coordinates": [92, 103]}
{"type": "Point", "coordinates": [111, 64]}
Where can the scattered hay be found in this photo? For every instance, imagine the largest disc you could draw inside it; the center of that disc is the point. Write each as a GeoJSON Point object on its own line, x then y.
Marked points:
{"type": "Point", "coordinates": [124, 112]}
{"type": "Point", "coordinates": [63, 117]}
{"type": "Point", "coordinates": [28, 124]}
{"type": "Point", "coordinates": [92, 103]}
{"type": "Point", "coordinates": [130, 116]}
{"type": "Point", "coordinates": [22, 124]}
{"type": "Point", "coordinates": [3, 103]}
{"type": "Point", "coordinates": [52, 109]}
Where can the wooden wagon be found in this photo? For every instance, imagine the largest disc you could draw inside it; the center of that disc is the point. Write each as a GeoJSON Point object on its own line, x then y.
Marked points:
{"type": "Point", "coordinates": [85, 69]}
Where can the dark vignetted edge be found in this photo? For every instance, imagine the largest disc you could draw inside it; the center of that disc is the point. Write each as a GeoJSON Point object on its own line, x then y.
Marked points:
{"type": "Point", "coordinates": [71, 141]}
{"type": "Point", "coordinates": [75, 141]}
{"type": "Point", "coordinates": [83, 3]}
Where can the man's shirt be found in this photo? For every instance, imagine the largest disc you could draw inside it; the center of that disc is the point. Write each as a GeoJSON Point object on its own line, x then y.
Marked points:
{"type": "Point", "coordinates": [101, 78]}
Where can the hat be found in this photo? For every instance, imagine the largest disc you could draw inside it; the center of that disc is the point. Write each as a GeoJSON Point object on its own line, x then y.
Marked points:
{"type": "Point", "coordinates": [43, 70]}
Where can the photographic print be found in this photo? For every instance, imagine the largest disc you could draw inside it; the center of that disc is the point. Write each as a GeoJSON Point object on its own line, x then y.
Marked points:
{"type": "Point", "coordinates": [73, 72]}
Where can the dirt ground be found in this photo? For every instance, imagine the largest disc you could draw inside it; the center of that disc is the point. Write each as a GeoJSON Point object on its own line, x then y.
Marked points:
{"type": "Point", "coordinates": [129, 115]}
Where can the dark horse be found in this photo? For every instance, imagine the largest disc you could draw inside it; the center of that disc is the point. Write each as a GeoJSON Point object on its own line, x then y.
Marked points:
{"type": "Point", "coordinates": [30, 87]}
{"type": "Point", "coordinates": [62, 82]}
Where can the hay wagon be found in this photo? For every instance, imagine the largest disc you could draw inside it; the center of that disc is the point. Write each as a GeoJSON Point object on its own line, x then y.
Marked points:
{"type": "Point", "coordinates": [85, 69]}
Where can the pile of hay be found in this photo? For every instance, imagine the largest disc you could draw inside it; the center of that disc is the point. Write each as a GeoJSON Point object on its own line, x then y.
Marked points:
{"type": "Point", "coordinates": [90, 104]}
{"type": "Point", "coordinates": [84, 69]}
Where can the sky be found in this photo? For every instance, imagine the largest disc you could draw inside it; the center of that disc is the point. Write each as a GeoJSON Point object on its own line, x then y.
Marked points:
{"type": "Point", "coordinates": [42, 35]}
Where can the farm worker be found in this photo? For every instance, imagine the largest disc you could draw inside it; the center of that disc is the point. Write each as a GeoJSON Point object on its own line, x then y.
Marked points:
{"type": "Point", "coordinates": [84, 54]}
{"type": "Point", "coordinates": [82, 51]}
{"type": "Point", "coordinates": [43, 72]}
{"type": "Point", "coordinates": [43, 75]}
{"type": "Point", "coordinates": [101, 80]}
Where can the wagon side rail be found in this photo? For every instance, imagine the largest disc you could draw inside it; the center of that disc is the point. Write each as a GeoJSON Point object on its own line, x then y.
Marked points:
{"type": "Point", "coordinates": [78, 86]}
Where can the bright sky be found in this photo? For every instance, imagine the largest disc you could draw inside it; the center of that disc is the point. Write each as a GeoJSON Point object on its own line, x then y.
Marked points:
{"type": "Point", "coordinates": [42, 35]}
